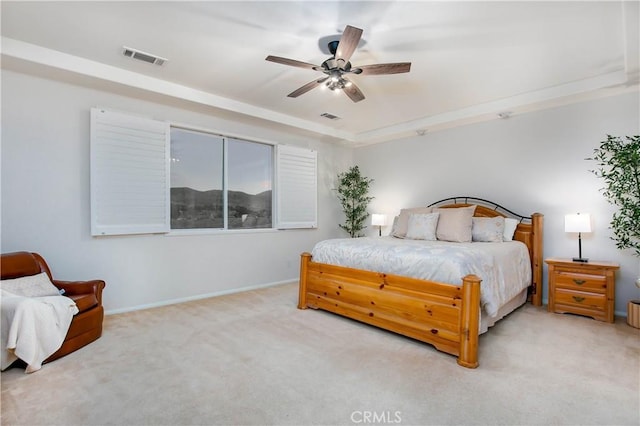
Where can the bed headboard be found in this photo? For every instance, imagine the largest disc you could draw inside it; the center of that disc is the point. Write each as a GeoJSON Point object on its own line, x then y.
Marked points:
{"type": "Point", "coordinates": [528, 231]}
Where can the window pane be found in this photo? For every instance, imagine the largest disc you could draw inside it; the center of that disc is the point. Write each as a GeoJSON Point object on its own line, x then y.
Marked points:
{"type": "Point", "coordinates": [196, 180]}
{"type": "Point", "coordinates": [250, 184]}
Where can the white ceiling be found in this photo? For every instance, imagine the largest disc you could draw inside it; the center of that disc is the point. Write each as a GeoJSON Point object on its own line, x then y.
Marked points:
{"type": "Point", "coordinates": [470, 60]}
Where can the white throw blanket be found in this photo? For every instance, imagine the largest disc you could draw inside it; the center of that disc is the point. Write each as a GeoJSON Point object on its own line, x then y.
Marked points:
{"type": "Point", "coordinates": [33, 328]}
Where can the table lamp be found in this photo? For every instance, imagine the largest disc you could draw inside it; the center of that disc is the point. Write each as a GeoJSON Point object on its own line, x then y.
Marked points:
{"type": "Point", "coordinates": [578, 223]}
{"type": "Point", "coordinates": [379, 221]}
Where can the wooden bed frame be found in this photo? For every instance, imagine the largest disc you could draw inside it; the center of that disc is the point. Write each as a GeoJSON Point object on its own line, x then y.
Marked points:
{"type": "Point", "coordinates": [443, 315]}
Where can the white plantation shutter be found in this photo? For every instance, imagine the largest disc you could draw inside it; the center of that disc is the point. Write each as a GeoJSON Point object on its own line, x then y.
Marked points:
{"type": "Point", "coordinates": [297, 188]}
{"type": "Point", "coordinates": [130, 174]}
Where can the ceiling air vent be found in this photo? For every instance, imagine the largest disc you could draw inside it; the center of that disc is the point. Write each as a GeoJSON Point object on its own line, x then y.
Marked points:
{"type": "Point", "coordinates": [143, 56]}
{"type": "Point", "coordinates": [329, 116]}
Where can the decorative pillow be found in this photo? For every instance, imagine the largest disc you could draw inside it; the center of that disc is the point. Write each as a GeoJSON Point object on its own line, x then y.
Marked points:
{"type": "Point", "coordinates": [30, 286]}
{"type": "Point", "coordinates": [400, 230]}
{"type": "Point", "coordinates": [487, 229]}
{"type": "Point", "coordinates": [454, 224]}
{"type": "Point", "coordinates": [509, 229]}
{"type": "Point", "coordinates": [422, 226]}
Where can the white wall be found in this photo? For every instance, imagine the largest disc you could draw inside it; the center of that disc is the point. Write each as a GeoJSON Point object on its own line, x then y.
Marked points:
{"type": "Point", "coordinates": [46, 209]}
{"type": "Point", "coordinates": [534, 162]}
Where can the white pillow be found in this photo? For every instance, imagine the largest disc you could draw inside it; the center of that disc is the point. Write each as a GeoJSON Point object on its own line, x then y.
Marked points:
{"type": "Point", "coordinates": [422, 226]}
{"type": "Point", "coordinates": [454, 224]}
{"type": "Point", "coordinates": [30, 286]}
{"type": "Point", "coordinates": [400, 228]}
{"type": "Point", "coordinates": [394, 226]}
{"type": "Point", "coordinates": [487, 229]}
{"type": "Point", "coordinates": [509, 229]}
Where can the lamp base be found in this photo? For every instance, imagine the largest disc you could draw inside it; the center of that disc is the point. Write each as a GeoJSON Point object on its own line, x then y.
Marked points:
{"type": "Point", "coordinates": [581, 259]}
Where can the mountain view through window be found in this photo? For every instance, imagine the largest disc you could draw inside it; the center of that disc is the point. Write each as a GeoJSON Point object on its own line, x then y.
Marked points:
{"type": "Point", "coordinates": [198, 182]}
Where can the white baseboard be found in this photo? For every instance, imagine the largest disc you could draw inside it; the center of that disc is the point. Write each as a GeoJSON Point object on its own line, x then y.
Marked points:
{"type": "Point", "coordinates": [197, 297]}
{"type": "Point", "coordinates": [237, 290]}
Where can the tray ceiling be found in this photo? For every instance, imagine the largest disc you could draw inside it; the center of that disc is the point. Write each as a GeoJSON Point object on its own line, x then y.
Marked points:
{"type": "Point", "coordinates": [471, 61]}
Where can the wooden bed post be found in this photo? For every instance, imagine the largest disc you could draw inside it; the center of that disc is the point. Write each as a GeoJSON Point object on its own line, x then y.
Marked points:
{"type": "Point", "coordinates": [469, 327]}
{"type": "Point", "coordinates": [305, 258]}
{"type": "Point", "coordinates": [537, 228]}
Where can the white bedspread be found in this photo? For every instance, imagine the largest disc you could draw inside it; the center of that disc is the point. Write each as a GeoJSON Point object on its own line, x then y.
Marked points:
{"type": "Point", "coordinates": [505, 268]}
{"type": "Point", "coordinates": [33, 328]}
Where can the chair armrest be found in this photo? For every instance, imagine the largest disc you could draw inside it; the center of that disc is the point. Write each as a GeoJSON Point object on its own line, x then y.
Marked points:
{"type": "Point", "coordinates": [82, 287]}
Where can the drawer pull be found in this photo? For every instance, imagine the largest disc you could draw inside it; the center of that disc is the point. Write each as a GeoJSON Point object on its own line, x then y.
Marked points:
{"type": "Point", "coordinates": [578, 299]}
{"type": "Point", "coordinates": [579, 282]}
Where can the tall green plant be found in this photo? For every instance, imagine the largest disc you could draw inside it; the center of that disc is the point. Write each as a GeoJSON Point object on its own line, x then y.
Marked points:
{"type": "Point", "coordinates": [353, 193]}
{"type": "Point", "coordinates": [619, 166]}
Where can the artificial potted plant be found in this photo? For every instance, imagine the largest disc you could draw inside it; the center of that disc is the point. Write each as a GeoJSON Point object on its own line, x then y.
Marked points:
{"type": "Point", "coordinates": [619, 165]}
{"type": "Point", "coordinates": [353, 193]}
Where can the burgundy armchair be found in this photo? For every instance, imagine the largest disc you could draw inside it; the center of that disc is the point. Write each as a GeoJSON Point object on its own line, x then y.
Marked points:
{"type": "Point", "coordinates": [86, 325]}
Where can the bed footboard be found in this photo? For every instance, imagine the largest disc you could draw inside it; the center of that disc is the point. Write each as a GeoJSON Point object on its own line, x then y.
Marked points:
{"type": "Point", "coordinates": [443, 315]}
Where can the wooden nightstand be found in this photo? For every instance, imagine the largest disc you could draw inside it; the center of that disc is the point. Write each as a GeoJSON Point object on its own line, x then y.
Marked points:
{"type": "Point", "coordinates": [582, 288]}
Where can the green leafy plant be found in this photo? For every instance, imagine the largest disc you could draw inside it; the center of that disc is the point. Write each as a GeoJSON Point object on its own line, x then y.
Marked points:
{"type": "Point", "coordinates": [619, 165]}
{"type": "Point", "coordinates": [353, 193]}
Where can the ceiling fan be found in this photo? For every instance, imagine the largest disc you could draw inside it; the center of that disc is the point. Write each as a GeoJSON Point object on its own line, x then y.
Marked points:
{"type": "Point", "coordinates": [338, 66]}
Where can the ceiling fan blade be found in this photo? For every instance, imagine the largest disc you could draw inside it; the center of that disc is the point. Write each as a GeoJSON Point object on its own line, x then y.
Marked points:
{"type": "Point", "coordinates": [304, 89]}
{"type": "Point", "coordinates": [291, 62]}
{"type": "Point", "coordinates": [377, 69]}
{"type": "Point", "coordinates": [353, 92]}
{"type": "Point", "coordinates": [348, 43]}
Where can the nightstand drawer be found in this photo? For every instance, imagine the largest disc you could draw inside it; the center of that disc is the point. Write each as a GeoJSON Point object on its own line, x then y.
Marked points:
{"type": "Point", "coordinates": [583, 282]}
{"type": "Point", "coordinates": [581, 299]}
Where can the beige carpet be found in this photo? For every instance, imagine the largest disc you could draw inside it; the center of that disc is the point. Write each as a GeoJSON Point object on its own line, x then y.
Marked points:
{"type": "Point", "coordinates": [253, 358]}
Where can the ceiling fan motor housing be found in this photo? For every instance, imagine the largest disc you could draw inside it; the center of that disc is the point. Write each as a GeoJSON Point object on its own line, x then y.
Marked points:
{"type": "Point", "coordinates": [333, 64]}
{"type": "Point", "coordinates": [333, 46]}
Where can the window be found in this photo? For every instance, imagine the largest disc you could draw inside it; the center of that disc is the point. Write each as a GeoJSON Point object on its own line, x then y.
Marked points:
{"type": "Point", "coordinates": [250, 176]}
{"type": "Point", "coordinates": [197, 197]}
{"type": "Point", "coordinates": [148, 177]}
{"type": "Point", "coordinates": [203, 189]}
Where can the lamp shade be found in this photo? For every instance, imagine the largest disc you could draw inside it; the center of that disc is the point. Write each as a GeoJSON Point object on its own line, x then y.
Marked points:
{"type": "Point", "coordinates": [579, 222]}
{"type": "Point", "coordinates": [378, 219]}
